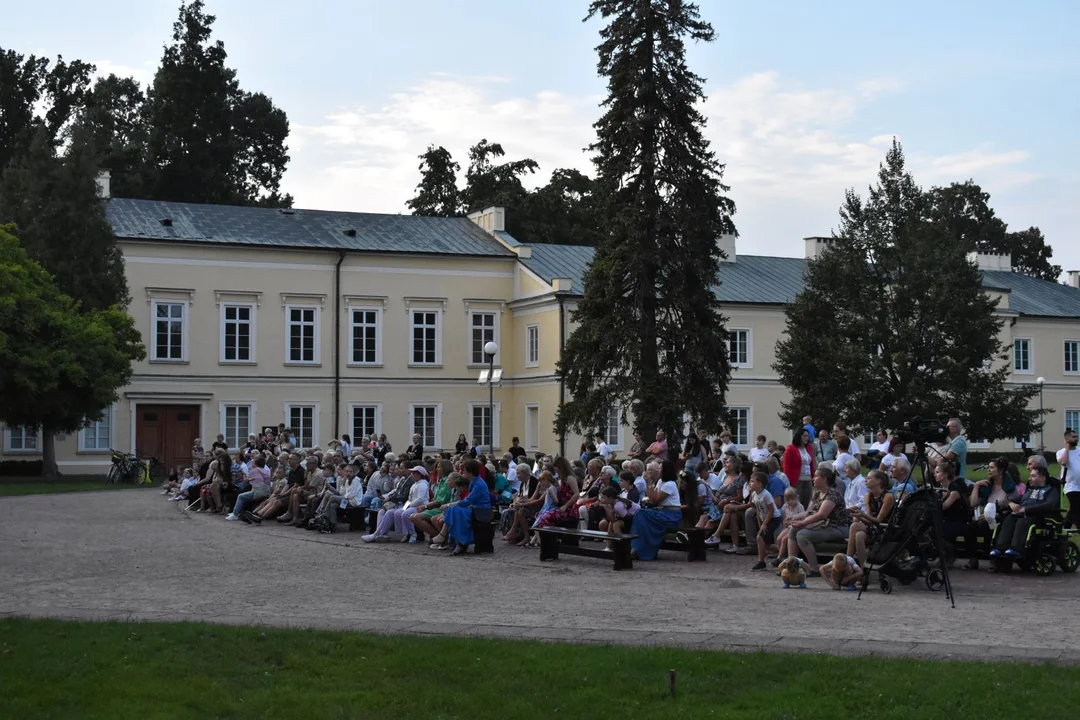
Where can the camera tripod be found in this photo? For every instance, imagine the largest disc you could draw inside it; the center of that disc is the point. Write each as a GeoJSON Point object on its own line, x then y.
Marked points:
{"type": "Point", "coordinates": [936, 521]}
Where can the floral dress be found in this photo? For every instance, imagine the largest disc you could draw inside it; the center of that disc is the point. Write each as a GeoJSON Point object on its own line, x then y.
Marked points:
{"type": "Point", "coordinates": [566, 493]}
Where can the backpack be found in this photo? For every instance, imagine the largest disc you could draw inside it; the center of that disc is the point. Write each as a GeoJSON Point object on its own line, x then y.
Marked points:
{"type": "Point", "coordinates": [322, 524]}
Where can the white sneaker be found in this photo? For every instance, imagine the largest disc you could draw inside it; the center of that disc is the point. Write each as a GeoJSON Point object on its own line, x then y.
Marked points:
{"type": "Point", "coordinates": [713, 540]}
{"type": "Point", "coordinates": [368, 538]}
{"type": "Point", "coordinates": [232, 516]}
{"type": "Point", "coordinates": [731, 549]}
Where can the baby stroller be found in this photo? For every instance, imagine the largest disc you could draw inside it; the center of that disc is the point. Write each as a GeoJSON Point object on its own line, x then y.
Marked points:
{"type": "Point", "coordinates": [910, 544]}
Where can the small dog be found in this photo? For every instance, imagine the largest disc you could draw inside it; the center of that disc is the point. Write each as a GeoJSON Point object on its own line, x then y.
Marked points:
{"type": "Point", "coordinates": [792, 572]}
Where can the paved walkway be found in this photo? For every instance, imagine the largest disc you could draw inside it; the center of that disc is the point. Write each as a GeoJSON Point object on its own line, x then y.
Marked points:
{"type": "Point", "coordinates": [133, 555]}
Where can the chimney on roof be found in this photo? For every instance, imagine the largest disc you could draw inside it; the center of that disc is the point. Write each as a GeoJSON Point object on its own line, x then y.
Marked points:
{"type": "Point", "coordinates": [104, 184]}
{"type": "Point", "coordinates": [492, 219]}
{"type": "Point", "coordinates": [726, 243]}
{"type": "Point", "coordinates": [991, 260]}
{"type": "Point", "coordinates": [815, 245]}
{"type": "Point", "coordinates": [1074, 279]}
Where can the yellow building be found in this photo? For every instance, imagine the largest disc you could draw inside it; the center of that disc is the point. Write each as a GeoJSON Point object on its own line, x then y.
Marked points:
{"type": "Point", "coordinates": [358, 323]}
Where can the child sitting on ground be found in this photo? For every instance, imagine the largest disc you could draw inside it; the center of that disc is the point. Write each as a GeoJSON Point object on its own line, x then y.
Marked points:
{"type": "Point", "coordinates": [842, 572]}
{"type": "Point", "coordinates": [172, 482]}
{"type": "Point", "coordinates": [791, 511]}
{"type": "Point", "coordinates": [186, 481]}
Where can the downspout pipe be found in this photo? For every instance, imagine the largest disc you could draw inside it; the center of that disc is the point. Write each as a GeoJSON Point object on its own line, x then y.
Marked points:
{"type": "Point", "coordinates": [337, 341]}
{"type": "Point", "coordinates": [562, 378]}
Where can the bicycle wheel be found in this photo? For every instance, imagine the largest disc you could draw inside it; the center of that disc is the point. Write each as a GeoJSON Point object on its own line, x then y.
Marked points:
{"type": "Point", "coordinates": [157, 471]}
{"type": "Point", "coordinates": [114, 475]}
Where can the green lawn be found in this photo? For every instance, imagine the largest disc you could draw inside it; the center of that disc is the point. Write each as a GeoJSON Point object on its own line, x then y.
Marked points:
{"type": "Point", "coordinates": [62, 669]}
{"type": "Point", "coordinates": [67, 483]}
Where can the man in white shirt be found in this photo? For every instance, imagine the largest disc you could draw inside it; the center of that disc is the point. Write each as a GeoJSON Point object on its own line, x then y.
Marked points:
{"type": "Point", "coordinates": [841, 429]}
{"type": "Point", "coordinates": [604, 450]}
{"type": "Point", "coordinates": [1069, 457]}
{"type": "Point", "coordinates": [879, 449]}
{"type": "Point", "coordinates": [726, 445]}
{"type": "Point", "coordinates": [759, 453]}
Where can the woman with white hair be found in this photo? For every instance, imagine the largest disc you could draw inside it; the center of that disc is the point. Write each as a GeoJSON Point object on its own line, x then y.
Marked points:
{"type": "Point", "coordinates": [900, 472]}
{"type": "Point", "coordinates": [856, 486]}
{"type": "Point", "coordinates": [398, 518]}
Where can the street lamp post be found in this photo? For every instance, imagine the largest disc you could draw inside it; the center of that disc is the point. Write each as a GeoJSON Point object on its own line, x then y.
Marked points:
{"type": "Point", "coordinates": [1042, 423]}
{"type": "Point", "coordinates": [490, 349]}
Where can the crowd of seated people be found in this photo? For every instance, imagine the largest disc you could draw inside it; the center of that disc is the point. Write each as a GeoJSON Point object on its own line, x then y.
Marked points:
{"type": "Point", "coordinates": [808, 498]}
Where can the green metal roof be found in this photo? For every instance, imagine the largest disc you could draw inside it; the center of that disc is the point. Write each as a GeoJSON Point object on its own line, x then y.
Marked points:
{"type": "Point", "coordinates": [765, 280]}
{"type": "Point", "coordinates": [310, 229]}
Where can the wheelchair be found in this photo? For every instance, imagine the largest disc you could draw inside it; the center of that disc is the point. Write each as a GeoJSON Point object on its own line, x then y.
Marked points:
{"type": "Point", "coordinates": [1048, 547]}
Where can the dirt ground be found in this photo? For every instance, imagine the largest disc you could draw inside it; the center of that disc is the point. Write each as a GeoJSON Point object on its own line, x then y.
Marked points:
{"type": "Point", "coordinates": [134, 555]}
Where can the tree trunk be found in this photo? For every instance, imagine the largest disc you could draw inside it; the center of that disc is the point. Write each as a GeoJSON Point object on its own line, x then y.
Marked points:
{"type": "Point", "coordinates": [48, 453]}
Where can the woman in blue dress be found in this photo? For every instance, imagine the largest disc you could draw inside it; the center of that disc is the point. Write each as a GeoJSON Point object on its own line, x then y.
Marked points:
{"type": "Point", "coordinates": [651, 524]}
{"type": "Point", "coordinates": [457, 519]}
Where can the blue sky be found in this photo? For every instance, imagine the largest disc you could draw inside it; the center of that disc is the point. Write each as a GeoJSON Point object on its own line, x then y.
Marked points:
{"type": "Point", "coordinates": [803, 98]}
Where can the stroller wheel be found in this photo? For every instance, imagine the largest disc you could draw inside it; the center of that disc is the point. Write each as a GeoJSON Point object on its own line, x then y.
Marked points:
{"type": "Point", "coordinates": [1044, 564]}
{"type": "Point", "coordinates": [1068, 556]}
{"type": "Point", "coordinates": [935, 580]}
{"type": "Point", "coordinates": [886, 586]}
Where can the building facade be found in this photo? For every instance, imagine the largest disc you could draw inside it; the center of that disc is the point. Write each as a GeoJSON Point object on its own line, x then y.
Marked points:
{"type": "Point", "coordinates": [359, 323]}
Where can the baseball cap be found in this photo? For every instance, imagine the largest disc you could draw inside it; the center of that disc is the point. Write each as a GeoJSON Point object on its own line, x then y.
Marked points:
{"type": "Point", "coordinates": [419, 469]}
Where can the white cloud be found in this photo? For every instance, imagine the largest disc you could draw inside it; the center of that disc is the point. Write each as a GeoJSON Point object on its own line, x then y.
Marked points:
{"type": "Point", "coordinates": [790, 150]}
{"type": "Point", "coordinates": [142, 74]}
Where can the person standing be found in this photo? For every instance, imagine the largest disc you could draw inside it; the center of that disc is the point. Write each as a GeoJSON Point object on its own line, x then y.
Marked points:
{"type": "Point", "coordinates": [799, 465]}
{"type": "Point", "coordinates": [1069, 459]}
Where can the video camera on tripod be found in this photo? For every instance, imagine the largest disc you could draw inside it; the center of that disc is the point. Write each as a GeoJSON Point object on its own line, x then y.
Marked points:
{"type": "Point", "coordinates": [923, 432]}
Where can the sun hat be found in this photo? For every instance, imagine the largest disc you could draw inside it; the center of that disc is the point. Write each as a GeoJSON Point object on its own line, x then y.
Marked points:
{"type": "Point", "coordinates": [419, 469]}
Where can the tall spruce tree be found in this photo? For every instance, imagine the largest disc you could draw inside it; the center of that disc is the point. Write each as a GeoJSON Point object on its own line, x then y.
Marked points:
{"type": "Point", "coordinates": [650, 337]}
{"type": "Point", "coordinates": [437, 193]}
{"type": "Point", "coordinates": [113, 116]}
{"type": "Point", "coordinates": [209, 141]}
{"type": "Point", "coordinates": [893, 323]}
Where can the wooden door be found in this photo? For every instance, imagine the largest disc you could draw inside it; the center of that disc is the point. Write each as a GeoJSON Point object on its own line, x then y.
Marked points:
{"type": "Point", "coordinates": [166, 432]}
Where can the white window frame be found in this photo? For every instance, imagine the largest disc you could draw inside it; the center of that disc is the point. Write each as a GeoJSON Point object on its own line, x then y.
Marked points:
{"type": "Point", "coordinates": [437, 445]}
{"type": "Point", "coordinates": [494, 423]}
{"type": "Point", "coordinates": [24, 435]}
{"type": "Point", "coordinates": [1065, 418]}
{"type": "Point", "coordinates": [437, 312]}
{"type": "Point", "coordinates": [352, 361]}
{"type": "Point", "coordinates": [1031, 442]}
{"type": "Point", "coordinates": [252, 325]}
{"type": "Point", "coordinates": [316, 358]}
{"type": "Point", "coordinates": [314, 422]}
{"type": "Point", "coordinates": [619, 434]}
{"type": "Point", "coordinates": [749, 425]}
{"type": "Point", "coordinates": [532, 346]}
{"type": "Point", "coordinates": [253, 426]}
{"type": "Point", "coordinates": [154, 305]}
{"type": "Point", "coordinates": [535, 431]}
{"type": "Point", "coordinates": [352, 419]}
{"type": "Point", "coordinates": [749, 346]}
{"type": "Point", "coordinates": [1030, 369]}
{"type": "Point", "coordinates": [1064, 360]}
{"type": "Point", "coordinates": [108, 419]}
{"type": "Point", "coordinates": [978, 444]}
{"type": "Point", "coordinates": [495, 316]}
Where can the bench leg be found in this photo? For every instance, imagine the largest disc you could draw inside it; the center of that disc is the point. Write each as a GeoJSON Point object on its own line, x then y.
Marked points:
{"type": "Point", "coordinates": [621, 552]}
{"type": "Point", "coordinates": [696, 551]}
{"type": "Point", "coordinates": [549, 546]}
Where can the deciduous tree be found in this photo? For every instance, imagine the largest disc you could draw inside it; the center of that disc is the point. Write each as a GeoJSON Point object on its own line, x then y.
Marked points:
{"type": "Point", "coordinates": [650, 336]}
{"type": "Point", "coordinates": [437, 193]}
{"type": "Point", "coordinates": [60, 366]}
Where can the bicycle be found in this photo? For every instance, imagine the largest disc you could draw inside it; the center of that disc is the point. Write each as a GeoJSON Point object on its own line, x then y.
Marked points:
{"type": "Point", "coordinates": [126, 468]}
{"type": "Point", "coordinates": [157, 471]}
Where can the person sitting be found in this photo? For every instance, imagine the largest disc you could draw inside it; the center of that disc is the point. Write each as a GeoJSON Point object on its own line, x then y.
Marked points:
{"type": "Point", "coordinates": [276, 502]}
{"type": "Point", "coordinates": [955, 510]}
{"type": "Point", "coordinates": [1041, 499]}
{"type": "Point", "coordinates": [878, 449]}
{"type": "Point", "coordinates": [856, 485]}
{"type": "Point", "coordinates": [759, 453]}
{"type": "Point", "coordinates": [903, 484]}
{"type": "Point", "coordinates": [736, 508]}
{"type": "Point", "coordinates": [731, 488]}
{"type": "Point", "coordinates": [871, 516]}
{"type": "Point", "coordinates": [523, 506]}
{"type": "Point", "coordinates": [315, 484]}
{"type": "Point", "coordinates": [826, 520]}
{"type": "Point", "coordinates": [568, 494]}
{"type": "Point", "coordinates": [997, 490]}
{"type": "Point", "coordinates": [353, 487]}
{"type": "Point", "coordinates": [260, 489]}
{"type": "Point", "coordinates": [651, 524]}
{"type": "Point", "coordinates": [398, 518]}
{"type": "Point", "coordinates": [790, 511]}
{"type": "Point", "coordinates": [424, 520]}
{"type": "Point", "coordinates": [825, 448]}
{"type": "Point", "coordinates": [457, 520]}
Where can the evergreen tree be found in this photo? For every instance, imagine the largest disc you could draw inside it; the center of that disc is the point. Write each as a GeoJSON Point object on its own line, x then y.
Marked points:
{"type": "Point", "coordinates": [489, 184]}
{"type": "Point", "coordinates": [113, 117]}
{"type": "Point", "coordinates": [566, 211]}
{"type": "Point", "coordinates": [964, 209]}
{"type": "Point", "coordinates": [650, 336]}
{"type": "Point", "coordinates": [53, 201]}
{"type": "Point", "coordinates": [208, 140]}
{"type": "Point", "coordinates": [893, 323]}
{"type": "Point", "coordinates": [437, 193]}
{"type": "Point", "coordinates": [59, 366]}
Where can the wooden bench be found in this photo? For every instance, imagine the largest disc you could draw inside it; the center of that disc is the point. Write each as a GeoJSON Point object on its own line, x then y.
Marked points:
{"type": "Point", "coordinates": [695, 545]}
{"type": "Point", "coordinates": [554, 540]}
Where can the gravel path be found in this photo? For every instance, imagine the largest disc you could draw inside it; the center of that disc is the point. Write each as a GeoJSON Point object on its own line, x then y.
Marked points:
{"type": "Point", "coordinates": [133, 555]}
